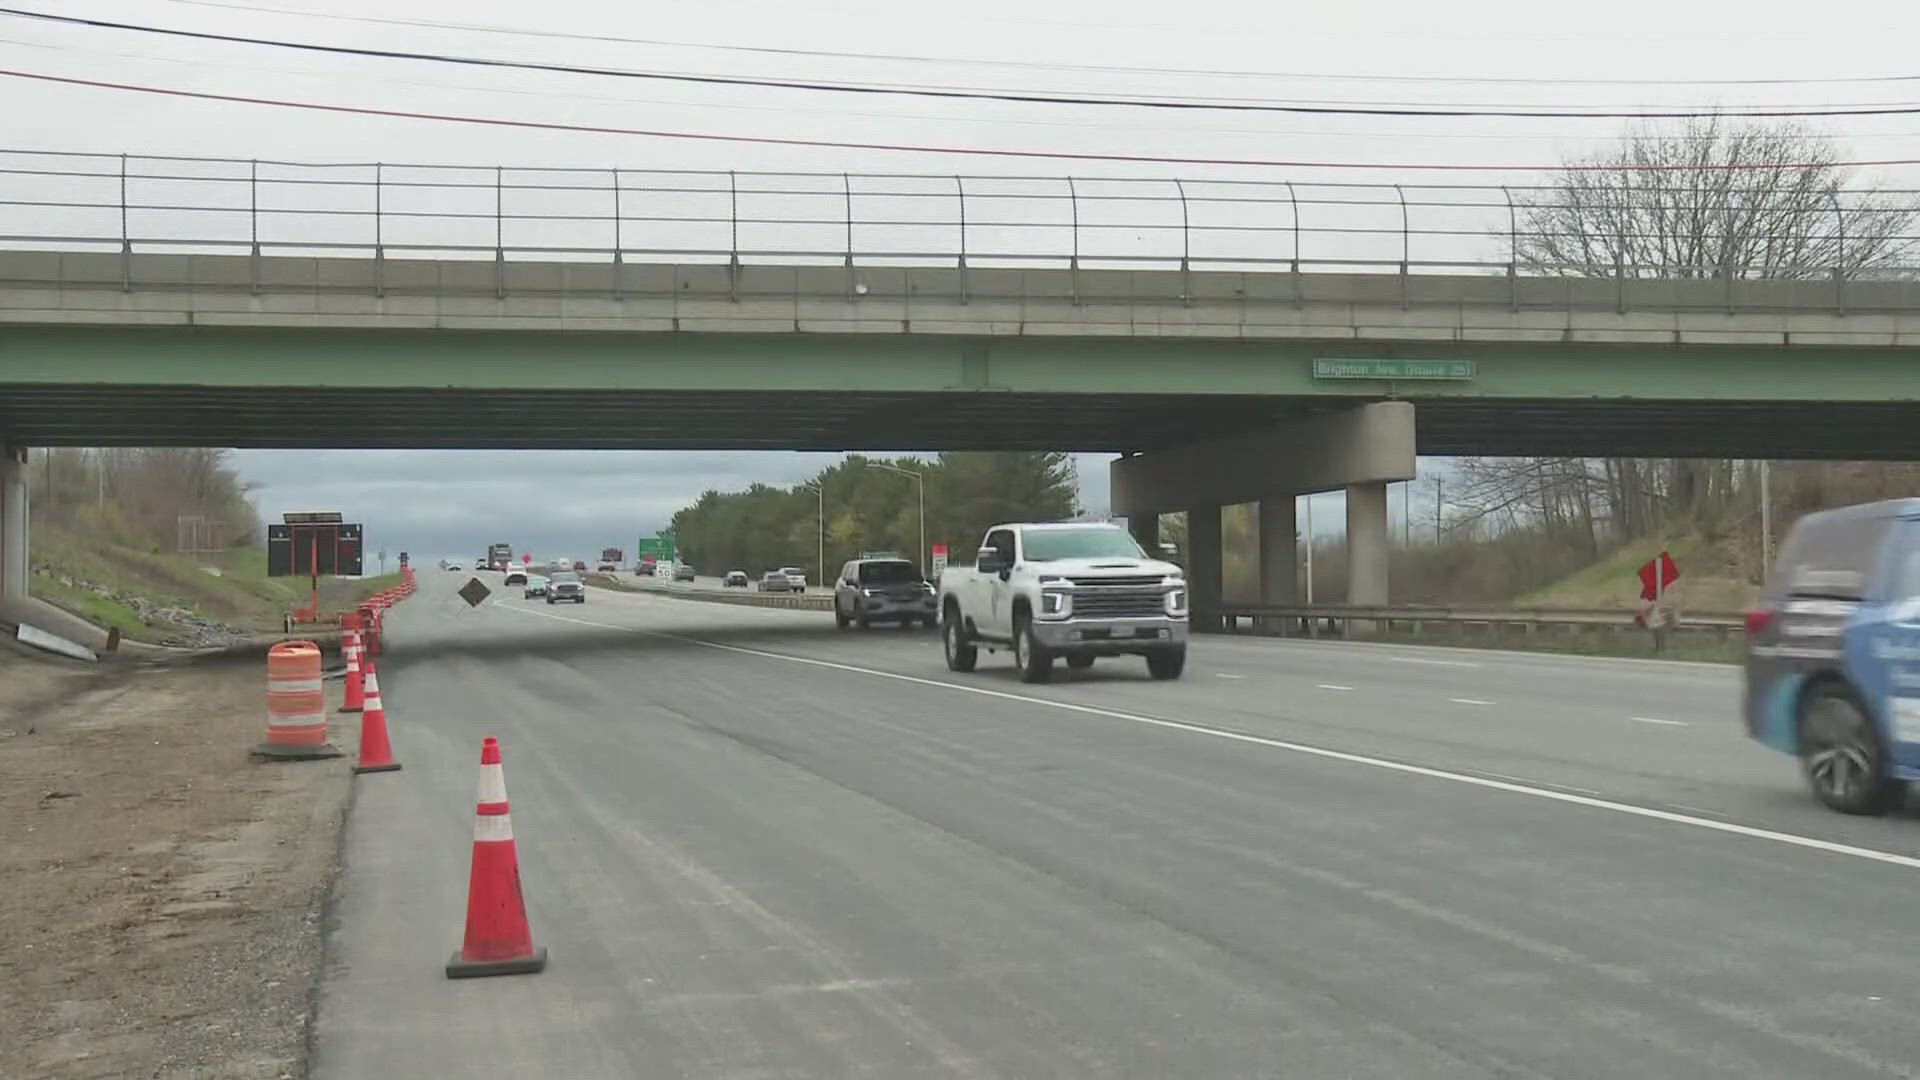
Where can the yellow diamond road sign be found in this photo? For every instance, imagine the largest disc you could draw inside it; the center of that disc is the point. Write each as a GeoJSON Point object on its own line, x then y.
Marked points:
{"type": "Point", "coordinates": [473, 592]}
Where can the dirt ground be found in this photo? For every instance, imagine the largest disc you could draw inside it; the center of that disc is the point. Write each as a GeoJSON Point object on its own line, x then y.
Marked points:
{"type": "Point", "coordinates": [161, 911]}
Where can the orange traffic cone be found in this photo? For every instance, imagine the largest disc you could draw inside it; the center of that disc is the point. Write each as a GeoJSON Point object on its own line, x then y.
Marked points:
{"type": "Point", "coordinates": [376, 754]}
{"type": "Point", "coordinates": [499, 941]}
{"type": "Point", "coordinates": [356, 699]}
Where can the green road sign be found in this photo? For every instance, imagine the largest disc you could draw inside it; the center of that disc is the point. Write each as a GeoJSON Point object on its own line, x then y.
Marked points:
{"type": "Point", "coordinates": [661, 547]}
{"type": "Point", "coordinates": [1392, 369]}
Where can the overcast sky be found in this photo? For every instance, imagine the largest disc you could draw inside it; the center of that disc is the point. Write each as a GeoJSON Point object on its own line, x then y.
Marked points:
{"type": "Point", "coordinates": [1633, 53]}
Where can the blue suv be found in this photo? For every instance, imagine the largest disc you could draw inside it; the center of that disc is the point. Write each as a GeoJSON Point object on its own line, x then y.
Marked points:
{"type": "Point", "coordinates": [1833, 654]}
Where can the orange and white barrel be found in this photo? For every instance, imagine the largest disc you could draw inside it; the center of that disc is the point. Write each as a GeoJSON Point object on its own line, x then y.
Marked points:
{"type": "Point", "coordinates": [296, 703]}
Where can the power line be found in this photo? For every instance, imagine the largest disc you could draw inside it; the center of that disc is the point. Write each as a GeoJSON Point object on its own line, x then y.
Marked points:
{"type": "Point", "coordinates": [1058, 155]}
{"type": "Point", "coordinates": [1135, 127]}
{"type": "Point", "coordinates": [1343, 109]}
{"type": "Point", "coordinates": [762, 50]}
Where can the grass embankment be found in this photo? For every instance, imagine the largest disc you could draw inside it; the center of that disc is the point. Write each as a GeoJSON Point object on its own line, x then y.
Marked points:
{"type": "Point", "coordinates": [72, 561]}
{"type": "Point", "coordinates": [1712, 579]}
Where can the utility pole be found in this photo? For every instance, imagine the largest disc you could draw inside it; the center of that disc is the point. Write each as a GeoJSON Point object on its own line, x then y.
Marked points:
{"type": "Point", "coordinates": [820, 525]}
{"type": "Point", "coordinates": [1439, 490]}
{"type": "Point", "coordinates": [1766, 519]}
{"type": "Point", "coordinates": [1309, 550]}
{"type": "Point", "coordinates": [920, 482]}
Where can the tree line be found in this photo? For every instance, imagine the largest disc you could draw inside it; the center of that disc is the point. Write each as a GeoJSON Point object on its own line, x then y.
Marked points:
{"type": "Point", "coordinates": [857, 505]}
{"type": "Point", "coordinates": [158, 498]}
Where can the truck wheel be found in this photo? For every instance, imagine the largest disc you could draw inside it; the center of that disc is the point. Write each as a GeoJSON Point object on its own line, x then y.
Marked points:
{"type": "Point", "coordinates": [1167, 664]}
{"type": "Point", "coordinates": [1841, 754]}
{"type": "Point", "coordinates": [961, 653]}
{"type": "Point", "coordinates": [1030, 658]}
{"type": "Point", "coordinates": [1080, 662]}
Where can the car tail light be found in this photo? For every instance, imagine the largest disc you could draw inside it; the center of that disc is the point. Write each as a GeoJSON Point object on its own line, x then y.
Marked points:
{"type": "Point", "coordinates": [1760, 620]}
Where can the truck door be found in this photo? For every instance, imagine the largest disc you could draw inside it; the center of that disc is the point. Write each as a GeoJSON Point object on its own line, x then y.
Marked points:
{"type": "Point", "coordinates": [995, 599]}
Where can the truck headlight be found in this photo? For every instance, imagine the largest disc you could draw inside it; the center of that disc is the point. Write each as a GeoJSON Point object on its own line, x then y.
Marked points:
{"type": "Point", "coordinates": [1177, 602]}
{"type": "Point", "coordinates": [1055, 605]}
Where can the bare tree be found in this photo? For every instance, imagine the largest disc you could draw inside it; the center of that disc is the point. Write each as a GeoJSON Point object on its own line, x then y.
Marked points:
{"type": "Point", "coordinates": [1714, 199]}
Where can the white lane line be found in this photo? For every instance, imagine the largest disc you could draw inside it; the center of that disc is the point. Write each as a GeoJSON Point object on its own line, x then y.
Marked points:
{"type": "Point", "coordinates": [1541, 783]}
{"type": "Point", "coordinates": [1332, 686]}
{"type": "Point", "coordinates": [1224, 675]}
{"type": "Point", "coordinates": [1468, 701]}
{"type": "Point", "coordinates": [1435, 663]}
{"type": "Point", "coordinates": [1753, 832]}
{"type": "Point", "coordinates": [1657, 720]}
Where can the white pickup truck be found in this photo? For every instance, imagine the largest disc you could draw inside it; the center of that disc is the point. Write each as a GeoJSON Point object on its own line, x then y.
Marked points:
{"type": "Point", "coordinates": [1073, 590]}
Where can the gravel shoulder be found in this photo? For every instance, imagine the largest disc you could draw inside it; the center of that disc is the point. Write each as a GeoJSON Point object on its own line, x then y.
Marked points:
{"type": "Point", "coordinates": [162, 915]}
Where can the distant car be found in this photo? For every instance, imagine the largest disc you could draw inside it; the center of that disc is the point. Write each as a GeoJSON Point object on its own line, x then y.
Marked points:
{"type": "Point", "coordinates": [645, 569]}
{"type": "Point", "coordinates": [776, 581]}
{"type": "Point", "coordinates": [536, 586]}
{"type": "Point", "coordinates": [883, 590]}
{"type": "Point", "coordinates": [454, 564]}
{"type": "Point", "coordinates": [735, 579]}
{"type": "Point", "coordinates": [683, 572]}
{"type": "Point", "coordinates": [579, 567]}
{"type": "Point", "coordinates": [607, 568]}
{"type": "Point", "coordinates": [796, 577]}
{"type": "Point", "coordinates": [566, 585]}
{"type": "Point", "coordinates": [515, 577]}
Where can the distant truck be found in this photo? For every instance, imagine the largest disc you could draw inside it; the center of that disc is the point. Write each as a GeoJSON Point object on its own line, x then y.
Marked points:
{"type": "Point", "coordinates": [611, 558]}
{"type": "Point", "coordinates": [1075, 591]}
{"type": "Point", "coordinates": [499, 556]}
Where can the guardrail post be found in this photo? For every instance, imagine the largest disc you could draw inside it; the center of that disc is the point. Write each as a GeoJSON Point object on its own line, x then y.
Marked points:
{"type": "Point", "coordinates": [499, 234]}
{"type": "Point", "coordinates": [1299, 296]}
{"type": "Point", "coordinates": [1186, 247]}
{"type": "Point", "coordinates": [253, 226]}
{"type": "Point", "coordinates": [846, 186]}
{"type": "Point", "coordinates": [1619, 282]}
{"type": "Point", "coordinates": [126, 242]}
{"type": "Point", "coordinates": [1839, 256]}
{"type": "Point", "coordinates": [619, 242]}
{"type": "Point", "coordinates": [1073, 264]}
{"type": "Point", "coordinates": [1406, 248]}
{"type": "Point", "coordinates": [379, 229]}
{"type": "Point", "coordinates": [961, 188]}
{"type": "Point", "coordinates": [1513, 252]}
{"type": "Point", "coordinates": [733, 236]}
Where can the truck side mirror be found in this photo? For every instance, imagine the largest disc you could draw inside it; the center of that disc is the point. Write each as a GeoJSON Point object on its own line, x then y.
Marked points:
{"type": "Point", "coordinates": [990, 560]}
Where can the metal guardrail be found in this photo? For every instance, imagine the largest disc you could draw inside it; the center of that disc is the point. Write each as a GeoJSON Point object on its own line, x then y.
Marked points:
{"type": "Point", "coordinates": [817, 600]}
{"type": "Point", "coordinates": [147, 203]}
{"type": "Point", "coordinates": [1289, 620]}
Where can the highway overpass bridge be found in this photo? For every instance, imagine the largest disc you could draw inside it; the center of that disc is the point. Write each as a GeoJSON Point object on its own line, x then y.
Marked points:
{"type": "Point", "coordinates": [1224, 375]}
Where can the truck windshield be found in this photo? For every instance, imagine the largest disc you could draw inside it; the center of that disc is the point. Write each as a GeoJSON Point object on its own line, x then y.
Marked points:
{"type": "Point", "coordinates": [1050, 545]}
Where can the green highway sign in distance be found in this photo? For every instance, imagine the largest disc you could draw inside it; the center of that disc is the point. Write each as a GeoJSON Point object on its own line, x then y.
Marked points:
{"type": "Point", "coordinates": [1392, 369]}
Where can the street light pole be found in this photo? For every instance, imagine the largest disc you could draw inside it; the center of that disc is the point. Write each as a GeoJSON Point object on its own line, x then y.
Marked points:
{"type": "Point", "coordinates": [920, 482]}
{"type": "Point", "coordinates": [820, 494]}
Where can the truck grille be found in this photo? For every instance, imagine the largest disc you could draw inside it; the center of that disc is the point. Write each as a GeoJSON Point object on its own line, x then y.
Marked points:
{"type": "Point", "coordinates": [1118, 604]}
{"type": "Point", "coordinates": [1131, 583]}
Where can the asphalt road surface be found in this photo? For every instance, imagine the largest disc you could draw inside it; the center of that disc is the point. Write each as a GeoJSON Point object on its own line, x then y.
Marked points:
{"type": "Point", "coordinates": [760, 847]}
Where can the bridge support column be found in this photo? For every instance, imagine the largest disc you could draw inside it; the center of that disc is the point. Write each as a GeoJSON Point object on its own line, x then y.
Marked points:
{"type": "Point", "coordinates": [13, 523]}
{"type": "Point", "coordinates": [1146, 532]}
{"type": "Point", "coordinates": [1367, 544]}
{"type": "Point", "coordinates": [1279, 557]}
{"type": "Point", "coordinates": [1205, 575]}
